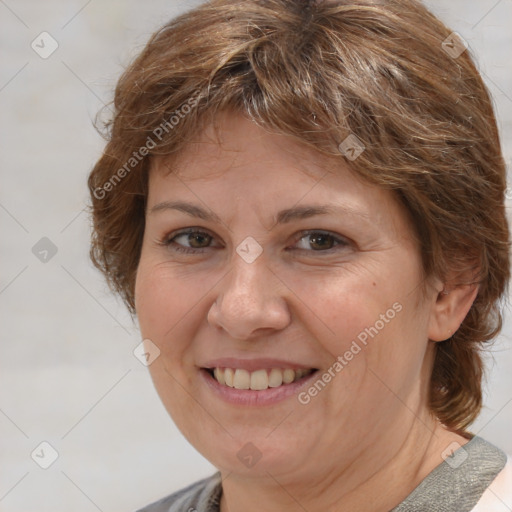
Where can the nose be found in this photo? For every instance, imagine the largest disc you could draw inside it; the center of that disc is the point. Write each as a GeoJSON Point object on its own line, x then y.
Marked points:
{"type": "Point", "coordinates": [250, 302]}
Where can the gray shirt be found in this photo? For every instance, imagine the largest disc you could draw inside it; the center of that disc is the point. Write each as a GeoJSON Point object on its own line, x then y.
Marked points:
{"type": "Point", "coordinates": [455, 485]}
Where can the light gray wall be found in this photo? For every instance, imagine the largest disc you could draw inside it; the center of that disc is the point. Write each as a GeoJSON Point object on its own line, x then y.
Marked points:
{"type": "Point", "coordinates": [67, 372]}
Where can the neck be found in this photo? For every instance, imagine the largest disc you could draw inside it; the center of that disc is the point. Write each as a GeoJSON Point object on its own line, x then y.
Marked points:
{"type": "Point", "coordinates": [378, 480]}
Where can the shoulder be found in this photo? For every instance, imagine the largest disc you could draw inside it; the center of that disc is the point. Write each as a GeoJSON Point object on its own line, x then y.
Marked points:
{"type": "Point", "coordinates": [201, 496]}
{"type": "Point", "coordinates": [474, 478]}
{"type": "Point", "coordinates": [498, 496]}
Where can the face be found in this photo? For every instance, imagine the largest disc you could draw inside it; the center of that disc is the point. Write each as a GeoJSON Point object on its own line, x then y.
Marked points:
{"type": "Point", "coordinates": [284, 296]}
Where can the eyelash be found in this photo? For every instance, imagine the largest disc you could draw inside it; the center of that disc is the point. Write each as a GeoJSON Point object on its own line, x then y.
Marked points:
{"type": "Point", "coordinates": [170, 241]}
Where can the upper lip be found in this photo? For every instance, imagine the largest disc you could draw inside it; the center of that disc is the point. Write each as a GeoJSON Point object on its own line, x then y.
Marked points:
{"type": "Point", "coordinates": [252, 365]}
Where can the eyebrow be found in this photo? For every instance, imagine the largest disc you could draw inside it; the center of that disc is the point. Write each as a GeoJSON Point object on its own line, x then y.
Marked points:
{"type": "Point", "coordinates": [283, 216]}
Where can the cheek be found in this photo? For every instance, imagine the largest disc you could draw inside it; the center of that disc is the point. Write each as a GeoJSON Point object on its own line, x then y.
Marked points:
{"type": "Point", "coordinates": [167, 307]}
{"type": "Point", "coordinates": [345, 305]}
{"type": "Point", "coordinates": [164, 299]}
{"type": "Point", "coordinates": [368, 316]}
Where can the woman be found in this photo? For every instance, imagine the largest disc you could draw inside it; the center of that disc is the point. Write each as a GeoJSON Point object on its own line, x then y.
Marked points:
{"type": "Point", "coordinates": [303, 204]}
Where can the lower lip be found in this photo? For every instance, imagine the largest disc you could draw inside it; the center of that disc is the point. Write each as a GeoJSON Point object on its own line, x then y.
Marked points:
{"type": "Point", "coordinates": [263, 397]}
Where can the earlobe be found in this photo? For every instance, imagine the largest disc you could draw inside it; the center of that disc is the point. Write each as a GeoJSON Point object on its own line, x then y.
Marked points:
{"type": "Point", "coordinates": [450, 309]}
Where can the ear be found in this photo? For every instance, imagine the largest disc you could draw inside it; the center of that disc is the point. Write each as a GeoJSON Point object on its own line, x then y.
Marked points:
{"type": "Point", "coordinates": [449, 310]}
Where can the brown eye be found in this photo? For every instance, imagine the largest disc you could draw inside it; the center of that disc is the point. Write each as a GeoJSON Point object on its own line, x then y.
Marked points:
{"type": "Point", "coordinates": [189, 241]}
{"type": "Point", "coordinates": [198, 240]}
{"type": "Point", "coordinates": [320, 241]}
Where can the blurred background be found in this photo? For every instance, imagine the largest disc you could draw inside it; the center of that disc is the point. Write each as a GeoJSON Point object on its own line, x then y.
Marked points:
{"type": "Point", "coordinates": [73, 397]}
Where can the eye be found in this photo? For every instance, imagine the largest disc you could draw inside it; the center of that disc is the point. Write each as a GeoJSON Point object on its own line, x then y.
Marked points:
{"type": "Point", "coordinates": [193, 240]}
{"type": "Point", "coordinates": [320, 241]}
{"type": "Point", "coordinates": [189, 241]}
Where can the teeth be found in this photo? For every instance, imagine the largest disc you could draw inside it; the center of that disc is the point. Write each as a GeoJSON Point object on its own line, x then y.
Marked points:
{"type": "Point", "coordinates": [258, 380]}
{"type": "Point", "coordinates": [242, 379]}
{"type": "Point", "coordinates": [219, 375]}
{"type": "Point", "coordinates": [275, 378]}
{"type": "Point", "coordinates": [288, 376]}
{"type": "Point", "coordinates": [228, 376]}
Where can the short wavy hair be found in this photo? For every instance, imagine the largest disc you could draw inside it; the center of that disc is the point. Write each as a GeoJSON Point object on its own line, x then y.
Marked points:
{"type": "Point", "coordinates": [385, 71]}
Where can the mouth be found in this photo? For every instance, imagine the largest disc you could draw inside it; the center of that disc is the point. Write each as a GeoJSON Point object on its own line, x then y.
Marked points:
{"type": "Point", "coordinates": [258, 380]}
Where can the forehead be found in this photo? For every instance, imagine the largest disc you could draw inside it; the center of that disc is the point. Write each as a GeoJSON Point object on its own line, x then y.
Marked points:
{"type": "Point", "coordinates": [233, 142]}
{"type": "Point", "coordinates": [237, 158]}
{"type": "Point", "coordinates": [237, 169]}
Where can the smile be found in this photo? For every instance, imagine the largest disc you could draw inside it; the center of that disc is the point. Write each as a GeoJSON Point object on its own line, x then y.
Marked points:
{"type": "Point", "coordinates": [258, 380]}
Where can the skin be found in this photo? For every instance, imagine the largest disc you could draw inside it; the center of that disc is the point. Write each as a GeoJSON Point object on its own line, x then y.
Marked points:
{"type": "Point", "coordinates": [367, 439]}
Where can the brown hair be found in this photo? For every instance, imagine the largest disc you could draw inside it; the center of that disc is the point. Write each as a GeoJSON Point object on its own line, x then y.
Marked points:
{"type": "Point", "coordinates": [384, 71]}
